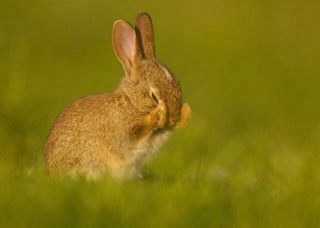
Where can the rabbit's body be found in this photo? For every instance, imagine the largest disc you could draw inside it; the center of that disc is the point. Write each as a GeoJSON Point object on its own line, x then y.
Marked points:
{"type": "Point", "coordinates": [92, 143]}
{"type": "Point", "coordinates": [113, 133]}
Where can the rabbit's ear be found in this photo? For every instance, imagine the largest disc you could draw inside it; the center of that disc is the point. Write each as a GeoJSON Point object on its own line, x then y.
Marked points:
{"type": "Point", "coordinates": [144, 29]}
{"type": "Point", "coordinates": [125, 43]}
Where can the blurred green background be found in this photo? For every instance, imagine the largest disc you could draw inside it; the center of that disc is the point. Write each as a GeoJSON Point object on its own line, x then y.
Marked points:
{"type": "Point", "coordinates": [250, 72]}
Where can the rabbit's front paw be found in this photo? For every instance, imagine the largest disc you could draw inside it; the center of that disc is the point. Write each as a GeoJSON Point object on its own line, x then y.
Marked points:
{"type": "Point", "coordinates": [158, 117]}
{"type": "Point", "coordinates": [185, 113]}
{"type": "Point", "coordinates": [162, 113]}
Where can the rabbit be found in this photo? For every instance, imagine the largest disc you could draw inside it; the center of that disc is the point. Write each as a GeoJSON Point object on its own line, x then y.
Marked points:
{"type": "Point", "coordinates": [113, 133]}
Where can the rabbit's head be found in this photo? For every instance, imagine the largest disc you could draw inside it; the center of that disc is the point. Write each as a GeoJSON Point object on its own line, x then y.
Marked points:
{"type": "Point", "coordinates": [147, 82]}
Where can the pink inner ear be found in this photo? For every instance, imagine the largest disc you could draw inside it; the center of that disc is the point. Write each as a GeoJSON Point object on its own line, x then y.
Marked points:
{"type": "Point", "coordinates": [127, 43]}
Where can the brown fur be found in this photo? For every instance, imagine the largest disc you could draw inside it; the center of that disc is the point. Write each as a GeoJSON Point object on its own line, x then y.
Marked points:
{"type": "Point", "coordinates": [115, 132]}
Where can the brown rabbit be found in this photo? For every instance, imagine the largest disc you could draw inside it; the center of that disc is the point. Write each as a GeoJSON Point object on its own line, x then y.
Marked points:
{"type": "Point", "coordinates": [114, 132]}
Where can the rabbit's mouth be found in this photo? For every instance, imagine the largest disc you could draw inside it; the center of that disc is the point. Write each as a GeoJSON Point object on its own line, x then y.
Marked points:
{"type": "Point", "coordinates": [172, 120]}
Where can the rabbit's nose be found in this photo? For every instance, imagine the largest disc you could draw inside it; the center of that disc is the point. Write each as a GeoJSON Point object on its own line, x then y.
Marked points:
{"type": "Point", "coordinates": [172, 120]}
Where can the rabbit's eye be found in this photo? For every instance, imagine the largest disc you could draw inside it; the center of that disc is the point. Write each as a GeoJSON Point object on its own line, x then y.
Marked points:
{"type": "Point", "coordinates": [154, 97]}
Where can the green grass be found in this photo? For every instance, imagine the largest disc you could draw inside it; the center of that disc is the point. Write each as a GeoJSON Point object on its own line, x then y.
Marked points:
{"type": "Point", "coordinates": [249, 156]}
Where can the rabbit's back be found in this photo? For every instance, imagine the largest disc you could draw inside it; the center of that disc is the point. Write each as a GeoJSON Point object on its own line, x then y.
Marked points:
{"type": "Point", "coordinates": [90, 134]}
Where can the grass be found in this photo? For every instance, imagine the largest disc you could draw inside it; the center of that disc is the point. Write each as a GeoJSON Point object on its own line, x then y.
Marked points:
{"type": "Point", "coordinates": [249, 156]}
